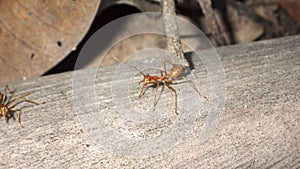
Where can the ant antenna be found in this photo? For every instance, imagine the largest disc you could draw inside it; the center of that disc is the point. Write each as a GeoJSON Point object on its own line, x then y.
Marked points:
{"type": "Point", "coordinates": [129, 65]}
{"type": "Point", "coordinates": [170, 62]}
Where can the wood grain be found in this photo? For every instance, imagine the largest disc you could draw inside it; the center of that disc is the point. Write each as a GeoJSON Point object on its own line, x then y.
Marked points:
{"type": "Point", "coordinates": [258, 129]}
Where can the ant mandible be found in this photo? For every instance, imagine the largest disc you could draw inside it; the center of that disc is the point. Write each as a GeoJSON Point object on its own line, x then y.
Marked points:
{"type": "Point", "coordinates": [6, 110]}
{"type": "Point", "coordinates": [177, 72]}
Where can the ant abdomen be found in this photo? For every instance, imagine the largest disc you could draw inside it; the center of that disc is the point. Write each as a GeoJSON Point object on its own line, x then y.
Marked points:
{"type": "Point", "coordinates": [178, 71]}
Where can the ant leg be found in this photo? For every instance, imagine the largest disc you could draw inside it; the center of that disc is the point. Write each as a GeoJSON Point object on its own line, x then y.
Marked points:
{"type": "Point", "coordinates": [170, 62]}
{"type": "Point", "coordinates": [173, 90]}
{"type": "Point", "coordinates": [18, 118]}
{"type": "Point", "coordinates": [5, 97]}
{"type": "Point", "coordinates": [156, 88]}
{"type": "Point", "coordinates": [24, 99]}
{"type": "Point", "coordinates": [142, 91]}
{"type": "Point", "coordinates": [194, 87]}
{"type": "Point", "coordinates": [8, 89]}
{"type": "Point", "coordinates": [165, 67]}
{"type": "Point", "coordinates": [17, 99]}
{"type": "Point", "coordinates": [5, 114]}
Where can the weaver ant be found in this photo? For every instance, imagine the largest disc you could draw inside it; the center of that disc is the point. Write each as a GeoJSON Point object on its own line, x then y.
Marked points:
{"type": "Point", "coordinates": [6, 110]}
{"type": "Point", "coordinates": [177, 72]}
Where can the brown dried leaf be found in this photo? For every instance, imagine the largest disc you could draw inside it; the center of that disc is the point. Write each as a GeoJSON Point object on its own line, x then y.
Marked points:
{"type": "Point", "coordinates": [36, 35]}
{"type": "Point", "coordinates": [244, 28]}
{"type": "Point", "coordinates": [292, 7]}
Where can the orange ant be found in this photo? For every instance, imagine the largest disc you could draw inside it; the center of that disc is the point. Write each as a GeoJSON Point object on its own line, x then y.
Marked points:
{"type": "Point", "coordinates": [6, 110]}
{"type": "Point", "coordinates": [176, 72]}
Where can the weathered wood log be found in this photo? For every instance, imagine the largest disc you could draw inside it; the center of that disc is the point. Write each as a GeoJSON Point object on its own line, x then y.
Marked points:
{"type": "Point", "coordinates": [259, 127]}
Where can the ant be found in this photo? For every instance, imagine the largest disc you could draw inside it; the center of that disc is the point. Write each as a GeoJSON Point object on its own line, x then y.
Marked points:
{"type": "Point", "coordinates": [6, 110]}
{"type": "Point", "coordinates": [177, 72]}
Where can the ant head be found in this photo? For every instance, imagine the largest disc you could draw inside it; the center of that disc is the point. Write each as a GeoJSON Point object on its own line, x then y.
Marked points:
{"type": "Point", "coordinates": [147, 78]}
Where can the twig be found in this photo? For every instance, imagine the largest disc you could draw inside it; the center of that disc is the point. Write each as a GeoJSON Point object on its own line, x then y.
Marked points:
{"type": "Point", "coordinates": [174, 43]}
{"type": "Point", "coordinates": [212, 21]}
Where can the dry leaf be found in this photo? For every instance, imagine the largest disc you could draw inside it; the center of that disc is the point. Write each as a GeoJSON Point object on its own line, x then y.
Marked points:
{"type": "Point", "coordinates": [35, 35]}
{"type": "Point", "coordinates": [292, 7]}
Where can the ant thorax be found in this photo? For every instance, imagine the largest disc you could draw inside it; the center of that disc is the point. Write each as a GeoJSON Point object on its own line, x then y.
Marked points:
{"type": "Point", "coordinates": [147, 79]}
{"type": "Point", "coordinates": [3, 109]}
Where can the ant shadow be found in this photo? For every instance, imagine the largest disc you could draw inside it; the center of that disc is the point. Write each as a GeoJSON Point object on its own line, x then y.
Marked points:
{"type": "Point", "coordinates": [188, 57]}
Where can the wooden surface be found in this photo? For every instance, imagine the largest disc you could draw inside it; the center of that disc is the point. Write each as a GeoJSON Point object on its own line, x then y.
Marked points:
{"type": "Point", "coordinates": [258, 129]}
